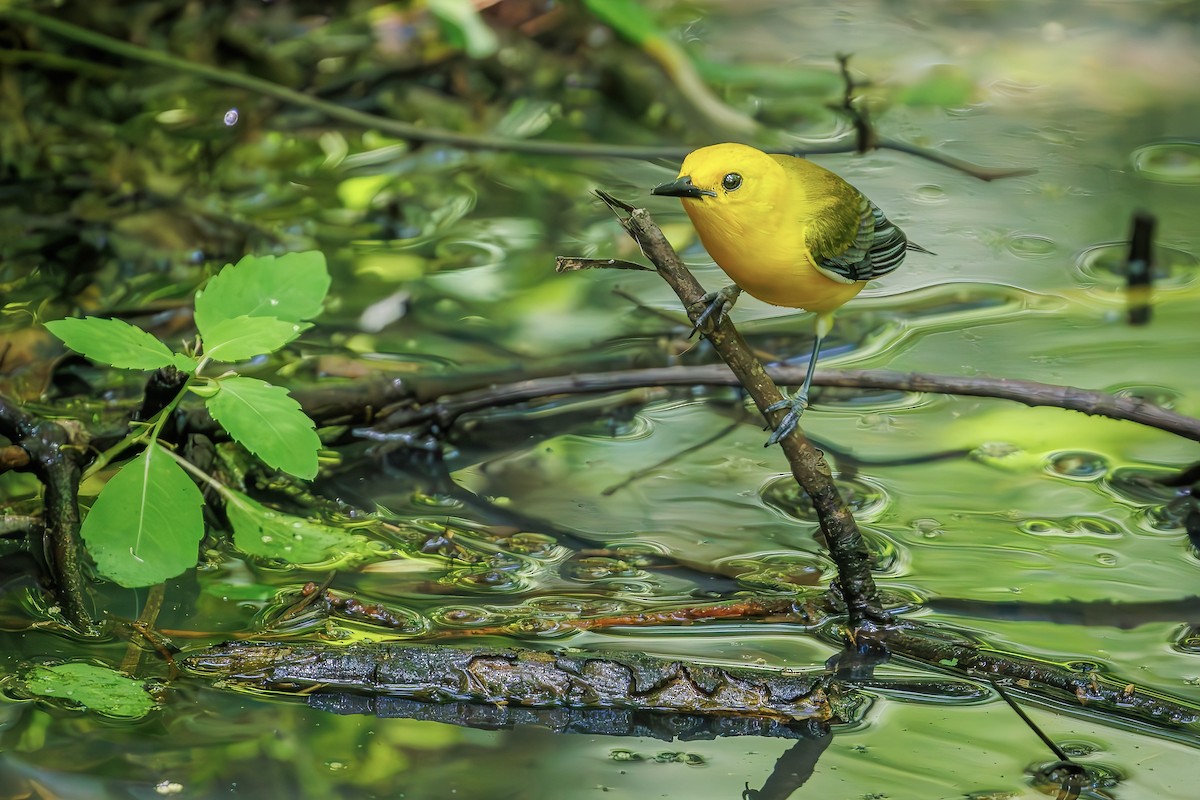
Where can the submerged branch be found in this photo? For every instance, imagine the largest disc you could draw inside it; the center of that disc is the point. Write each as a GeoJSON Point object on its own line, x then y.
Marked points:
{"type": "Point", "coordinates": [1042, 679]}
{"type": "Point", "coordinates": [528, 678]}
{"type": "Point", "coordinates": [517, 685]}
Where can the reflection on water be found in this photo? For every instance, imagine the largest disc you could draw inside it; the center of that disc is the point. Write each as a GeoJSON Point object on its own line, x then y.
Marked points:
{"type": "Point", "coordinates": [1105, 265]}
{"type": "Point", "coordinates": [1169, 162]}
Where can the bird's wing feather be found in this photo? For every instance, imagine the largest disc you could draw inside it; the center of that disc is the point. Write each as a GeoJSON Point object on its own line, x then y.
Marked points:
{"type": "Point", "coordinates": [877, 248]}
{"type": "Point", "coordinates": [837, 242]}
{"type": "Point", "coordinates": [889, 245]}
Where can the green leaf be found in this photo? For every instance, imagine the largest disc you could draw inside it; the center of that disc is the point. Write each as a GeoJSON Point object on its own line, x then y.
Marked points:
{"type": "Point", "coordinates": [290, 287]}
{"type": "Point", "coordinates": [628, 18]}
{"type": "Point", "coordinates": [464, 27]}
{"type": "Point", "coordinates": [791, 78]}
{"type": "Point", "coordinates": [266, 533]}
{"type": "Point", "coordinates": [100, 689]}
{"type": "Point", "coordinates": [246, 337]}
{"type": "Point", "coordinates": [146, 524]}
{"type": "Point", "coordinates": [944, 86]}
{"type": "Point", "coordinates": [112, 342]}
{"type": "Point", "coordinates": [185, 363]}
{"type": "Point", "coordinates": [268, 422]}
{"type": "Point", "coordinates": [205, 387]}
{"type": "Point", "coordinates": [526, 118]}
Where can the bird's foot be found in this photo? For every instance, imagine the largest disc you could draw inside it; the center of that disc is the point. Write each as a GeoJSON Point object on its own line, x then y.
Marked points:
{"type": "Point", "coordinates": [718, 305]}
{"type": "Point", "coordinates": [795, 406]}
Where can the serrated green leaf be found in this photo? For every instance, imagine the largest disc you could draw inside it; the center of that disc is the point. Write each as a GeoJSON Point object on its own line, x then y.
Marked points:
{"type": "Point", "coordinates": [205, 387]}
{"type": "Point", "coordinates": [100, 689]}
{"type": "Point", "coordinates": [628, 18]}
{"type": "Point", "coordinates": [268, 422]}
{"type": "Point", "coordinates": [112, 342]}
{"type": "Point", "coordinates": [146, 523]}
{"type": "Point", "coordinates": [246, 337]}
{"type": "Point", "coordinates": [266, 533]}
{"type": "Point", "coordinates": [464, 27]}
{"type": "Point", "coordinates": [291, 287]}
{"type": "Point", "coordinates": [185, 363]}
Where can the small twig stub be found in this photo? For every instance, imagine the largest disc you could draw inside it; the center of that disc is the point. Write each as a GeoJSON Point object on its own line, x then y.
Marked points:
{"type": "Point", "coordinates": [574, 263]}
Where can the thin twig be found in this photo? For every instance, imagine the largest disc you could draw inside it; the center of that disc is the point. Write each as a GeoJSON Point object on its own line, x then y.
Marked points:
{"type": "Point", "coordinates": [974, 170]}
{"type": "Point", "coordinates": [1030, 393]}
{"type": "Point", "coordinates": [144, 623]}
{"type": "Point", "coordinates": [1020, 712]}
{"type": "Point", "coordinates": [573, 264]}
{"type": "Point", "coordinates": [636, 302]}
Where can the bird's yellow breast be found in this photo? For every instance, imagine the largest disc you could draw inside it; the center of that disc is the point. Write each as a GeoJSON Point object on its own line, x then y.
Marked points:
{"type": "Point", "coordinates": [761, 240]}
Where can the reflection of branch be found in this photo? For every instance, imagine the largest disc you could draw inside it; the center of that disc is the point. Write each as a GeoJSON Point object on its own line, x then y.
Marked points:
{"type": "Point", "coordinates": [652, 469]}
{"type": "Point", "coordinates": [56, 462]}
{"type": "Point", "coordinates": [866, 138]}
{"type": "Point", "coordinates": [974, 170]}
{"type": "Point", "coordinates": [1139, 268]}
{"type": "Point", "coordinates": [1031, 393]}
{"type": "Point", "coordinates": [1105, 613]}
{"type": "Point", "coordinates": [416, 132]}
{"type": "Point", "coordinates": [796, 766]}
{"type": "Point", "coordinates": [719, 581]}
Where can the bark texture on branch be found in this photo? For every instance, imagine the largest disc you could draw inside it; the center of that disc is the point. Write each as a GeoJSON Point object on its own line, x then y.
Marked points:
{"type": "Point", "coordinates": [529, 678]}
{"type": "Point", "coordinates": [56, 461]}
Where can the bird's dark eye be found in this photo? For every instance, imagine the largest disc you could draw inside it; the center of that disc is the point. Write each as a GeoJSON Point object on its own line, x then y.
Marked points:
{"type": "Point", "coordinates": [731, 181]}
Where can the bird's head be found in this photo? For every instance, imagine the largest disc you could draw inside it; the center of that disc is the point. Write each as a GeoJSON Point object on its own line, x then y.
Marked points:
{"type": "Point", "coordinates": [727, 182]}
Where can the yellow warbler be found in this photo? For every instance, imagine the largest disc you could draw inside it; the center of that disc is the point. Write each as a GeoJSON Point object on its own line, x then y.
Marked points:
{"type": "Point", "coordinates": [788, 232]}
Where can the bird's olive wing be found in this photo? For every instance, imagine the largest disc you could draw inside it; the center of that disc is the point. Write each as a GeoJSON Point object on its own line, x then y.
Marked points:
{"type": "Point", "coordinates": [878, 247]}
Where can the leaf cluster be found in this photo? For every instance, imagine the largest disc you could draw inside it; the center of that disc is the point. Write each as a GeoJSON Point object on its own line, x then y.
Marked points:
{"type": "Point", "coordinates": [145, 525]}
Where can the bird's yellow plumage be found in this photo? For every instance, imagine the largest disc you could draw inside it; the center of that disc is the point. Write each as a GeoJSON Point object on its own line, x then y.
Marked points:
{"type": "Point", "coordinates": [788, 232]}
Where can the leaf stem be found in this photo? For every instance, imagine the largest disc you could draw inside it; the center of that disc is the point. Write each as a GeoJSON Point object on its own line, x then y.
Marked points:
{"type": "Point", "coordinates": [147, 431]}
{"type": "Point", "coordinates": [226, 493]}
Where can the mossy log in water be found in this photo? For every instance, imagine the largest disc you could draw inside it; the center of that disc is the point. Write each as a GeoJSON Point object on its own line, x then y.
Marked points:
{"type": "Point", "coordinates": [374, 677]}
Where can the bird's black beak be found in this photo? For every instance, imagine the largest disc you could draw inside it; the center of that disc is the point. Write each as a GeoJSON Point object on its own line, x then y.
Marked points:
{"type": "Point", "coordinates": [682, 187]}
